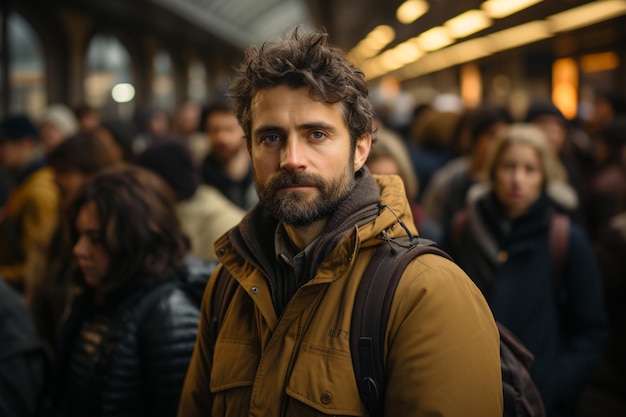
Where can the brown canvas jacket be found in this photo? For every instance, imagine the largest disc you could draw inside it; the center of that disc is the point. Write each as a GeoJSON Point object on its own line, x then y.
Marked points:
{"type": "Point", "coordinates": [442, 344]}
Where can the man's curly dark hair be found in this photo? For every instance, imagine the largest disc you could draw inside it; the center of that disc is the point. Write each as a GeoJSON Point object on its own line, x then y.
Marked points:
{"type": "Point", "coordinates": [303, 60]}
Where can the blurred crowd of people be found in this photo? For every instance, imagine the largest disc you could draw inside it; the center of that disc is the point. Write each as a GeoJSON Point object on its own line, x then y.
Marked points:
{"type": "Point", "coordinates": [107, 230]}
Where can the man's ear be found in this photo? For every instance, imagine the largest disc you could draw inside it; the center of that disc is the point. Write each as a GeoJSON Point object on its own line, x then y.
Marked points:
{"type": "Point", "coordinates": [362, 150]}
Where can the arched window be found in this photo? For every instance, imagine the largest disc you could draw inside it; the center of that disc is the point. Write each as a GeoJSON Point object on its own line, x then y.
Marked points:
{"type": "Point", "coordinates": [108, 82]}
{"type": "Point", "coordinates": [197, 87]}
{"type": "Point", "coordinates": [27, 75]}
{"type": "Point", "coordinates": [163, 84]}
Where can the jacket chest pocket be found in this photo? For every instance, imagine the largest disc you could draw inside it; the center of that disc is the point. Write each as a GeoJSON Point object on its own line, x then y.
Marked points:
{"type": "Point", "coordinates": [232, 375]}
{"type": "Point", "coordinates": [322, 383]}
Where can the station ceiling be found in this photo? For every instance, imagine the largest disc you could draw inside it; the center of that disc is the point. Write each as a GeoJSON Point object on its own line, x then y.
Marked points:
{"type": "Point", "coordinates": [243, 22]}
{"type": "Point", "coordinates": [235, 24]}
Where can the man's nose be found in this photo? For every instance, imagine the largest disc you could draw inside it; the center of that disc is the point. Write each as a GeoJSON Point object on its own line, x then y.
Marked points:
{"type": "Point", "coordinates": [292, 155]}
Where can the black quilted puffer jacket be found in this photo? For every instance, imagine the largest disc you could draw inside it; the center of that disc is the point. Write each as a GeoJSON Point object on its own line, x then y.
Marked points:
{"type": "Point", "coordinates": [128, 358]}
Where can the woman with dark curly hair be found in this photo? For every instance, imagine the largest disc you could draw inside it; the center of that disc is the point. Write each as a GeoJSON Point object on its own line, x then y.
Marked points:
{"type": "Point", "coordinates": [126, 344]}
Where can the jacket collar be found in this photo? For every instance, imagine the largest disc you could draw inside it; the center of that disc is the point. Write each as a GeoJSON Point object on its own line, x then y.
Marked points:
{"type": "Point", "coordinates": [376, 204]}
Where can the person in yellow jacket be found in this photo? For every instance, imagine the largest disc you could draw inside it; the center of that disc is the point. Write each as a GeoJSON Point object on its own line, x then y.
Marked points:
{"type": "Point", "coordinates": [298, 256]}
{"type": "Point", "coordinates": [30, 214]}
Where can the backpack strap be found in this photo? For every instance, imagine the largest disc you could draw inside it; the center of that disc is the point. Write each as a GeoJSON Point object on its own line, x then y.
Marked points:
{"type": "Point", "coordinates": [371, 311]}
{"type": "Point", "coordinates": [458, 226]}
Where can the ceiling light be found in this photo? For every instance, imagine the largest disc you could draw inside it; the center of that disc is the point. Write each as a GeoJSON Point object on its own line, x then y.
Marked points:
{"type": "Point", "coordinates": [380, 36]}
{"type": "Point", "coordinates": [435, 38]}
{"type": "Point", "coordinates": [519, 35]}
{"type": "Point", "coordinates": [389, 61]}
{"type": "Point", "coordinates": [602, 61]}
{"type": "Point", "coordinates": [411, 10]}
{"type": "Point", "coordinates": [372, 44]}
{"type": "Point", "coordinates": [467, 51]}
{"type": "Point", "coordinates": [123, 92]}
{"type": "Point", "coordinates": [498, 9]}
{"type": "Point", "coordinates": [467, 23]}
{"type": "Point", "coordinates": [586, 15]}
{"type": "Point", "coordinates": [408, 52]}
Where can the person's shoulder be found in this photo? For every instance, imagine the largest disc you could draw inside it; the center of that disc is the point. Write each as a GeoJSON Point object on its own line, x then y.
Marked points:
{"type": "Point", "coordinates": [165, 302]}
{"type": "Point", "coordinates": [438, 277]}
{"type": "Point", "coordinates": [40, 184]}
{"type": "Point", "coordinates": [17, 332]}
{"type": "Point", "coordinates": [438, 288]}
{"type": "Point", "coordinates": [12, 305]}
{"type": "Point", "coordinates": [218, 201]}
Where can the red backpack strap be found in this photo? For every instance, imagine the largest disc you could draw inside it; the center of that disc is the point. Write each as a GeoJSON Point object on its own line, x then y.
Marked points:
{"type": "Point", "coordinates": [559, 240]}
{"type": "Point", "coordinates": [458, 226]}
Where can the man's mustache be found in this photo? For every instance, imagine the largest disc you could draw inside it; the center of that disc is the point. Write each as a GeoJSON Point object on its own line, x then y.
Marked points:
{"type": "Point", "coordinates": [296, 179]}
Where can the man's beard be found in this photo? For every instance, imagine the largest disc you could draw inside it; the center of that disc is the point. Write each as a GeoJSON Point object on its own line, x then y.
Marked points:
{"type": "Point", "coordinates": [294, 207]}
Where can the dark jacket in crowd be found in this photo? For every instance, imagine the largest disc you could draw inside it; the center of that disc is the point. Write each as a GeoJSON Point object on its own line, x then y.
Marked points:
{"type": "Point", "coordinates": [130, 357]}
{"type": "Point", "coordinates": [24, 364]}
{"type": "Point", "coordinates": [561, 319]}
{"type": "Point", "coordinates": [605, 395]}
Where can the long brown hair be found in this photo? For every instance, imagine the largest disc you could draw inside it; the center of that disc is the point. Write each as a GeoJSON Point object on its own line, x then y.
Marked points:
{"type": "Point", "coordinates": [140, 229]}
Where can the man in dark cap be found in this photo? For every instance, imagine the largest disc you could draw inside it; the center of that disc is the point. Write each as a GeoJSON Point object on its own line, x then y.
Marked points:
{"type": "Point", "coordinates": [29, 216]}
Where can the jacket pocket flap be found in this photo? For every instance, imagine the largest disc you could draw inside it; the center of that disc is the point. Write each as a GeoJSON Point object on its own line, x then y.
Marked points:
{"type": "Point", "coordinates": [324, 379]}
{"type": "Point", "coordinates": [234, 365]}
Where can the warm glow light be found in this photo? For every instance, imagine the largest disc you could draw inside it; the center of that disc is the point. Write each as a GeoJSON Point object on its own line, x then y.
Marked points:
{"type": "Point", "coordinates": [438, 51]}
{"type": "Point", "coordinates": [467, 23]}
{"type": "Point", "coordinates": [519, 35]}
{"type": "Point", "coordinates": [408, 52]}
{"type": "Point", "coordinates": [372, 44]}
{"type": "Point", "coordinates": [604, 61]}
{"type": "Point", "coordinates": [380, 36]}
{"type": "Point", "coordinates": [565, 86]}
{"type": "Point", "coordinates": [467, 51]}
{"type": "Point", "coordinates": [411, 10]}
{"type": "Point", "coordinates": [435, 38]}
{"type": "Point", "coordinates": [372, 69]}
{"type": "Point", "coordinates": [389, 61]}
{"type": "Point", "coordinates": [497, 9]}
{"type": "Point", "coordinates": [123, 92]}
{"type": "Point", "coordinates": [471, 85]}
{"type": "Point", "coordinates": [586, 15]}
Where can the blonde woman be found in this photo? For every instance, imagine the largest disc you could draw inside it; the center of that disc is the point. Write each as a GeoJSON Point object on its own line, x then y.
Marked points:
{"type": "Point", "coordinates": [502, 240]}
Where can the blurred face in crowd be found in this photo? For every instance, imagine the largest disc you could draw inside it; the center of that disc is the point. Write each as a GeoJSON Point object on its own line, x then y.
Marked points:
{"type": "Point", "coordinates": [518, 178]}
{"type": "Point", "coordinates": [90, 251]}
{"type": "Point", "coordinates": [484, 144]}
{"type": "Point", "coordinates": [187, 118]}
{"type": "Point", "coordinates": [302, 154]}
{"type": "Point", "coordinates": [51, 135]}
{"type": "Point", "coordinates": [159, 123]}
{"type": "Point", "coordinates": [89, 120]}
{"type": "Point", "coordinates": [225, 134]}
{"type": "Point", "coordinates": [13, 154]}
{"type": "Point", "coordinates": [384, 165]}
{"type": "Point", "coordinates": [69, 183]}
{"type": "Point", "coordinates": [554, 130]}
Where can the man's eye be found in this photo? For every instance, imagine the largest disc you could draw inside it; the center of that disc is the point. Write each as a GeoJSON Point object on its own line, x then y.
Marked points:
{"type": "Point", "coordinates": [271, 138]}
{"type": "Point", "coordinates": [318, 135]}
